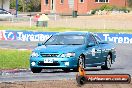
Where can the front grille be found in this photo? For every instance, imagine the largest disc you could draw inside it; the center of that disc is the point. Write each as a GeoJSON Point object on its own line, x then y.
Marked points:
{"type": "Point", "coordinates": [48, 64]}
{"type": "Point", "coordinates": [49, 55]}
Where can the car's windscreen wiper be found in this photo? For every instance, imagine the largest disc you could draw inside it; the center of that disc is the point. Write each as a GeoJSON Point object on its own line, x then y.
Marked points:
{"type": "Point", "coordinates": [74, 44]}
{"type": "Point", "coordinates": [63, 44]}
{"type": "Point", "coordinates": [55, 44]}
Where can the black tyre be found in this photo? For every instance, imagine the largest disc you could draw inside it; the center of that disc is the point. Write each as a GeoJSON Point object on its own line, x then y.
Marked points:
{"type": "Point", "coordinates": [81, 80]}
{"type": "Point", "coordinates": [107, 65]}
{"type": "Point", "coordinates": [81, 61]}
{"type": "Point", "coordinates": [36, 70]}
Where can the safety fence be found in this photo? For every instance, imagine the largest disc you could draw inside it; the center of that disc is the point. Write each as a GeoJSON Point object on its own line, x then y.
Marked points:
{"type": "Point", "coordinates": [118, 21]}
{"type": "Point", "coordinates": [43, 36]}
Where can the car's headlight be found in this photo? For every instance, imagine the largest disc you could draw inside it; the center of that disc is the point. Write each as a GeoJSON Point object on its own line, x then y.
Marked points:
{"type": "Point", "coordinates": [34, 54]}
{"type": "Point", "coordinates": [72, 54]}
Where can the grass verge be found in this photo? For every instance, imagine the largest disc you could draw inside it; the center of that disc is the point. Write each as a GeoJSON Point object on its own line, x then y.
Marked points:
{"type": "Point", "coordinates": [61, 29]}
{"type": "Point", "coordinates": [12, 59]}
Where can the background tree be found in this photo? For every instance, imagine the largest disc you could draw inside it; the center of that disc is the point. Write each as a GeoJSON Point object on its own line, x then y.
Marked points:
{"type": "Point", "coordinates": [130, 3]}
{"type": "Point", "coordinates": [35, 5]}
{"type": "Point", "coordinates": [26, 5]}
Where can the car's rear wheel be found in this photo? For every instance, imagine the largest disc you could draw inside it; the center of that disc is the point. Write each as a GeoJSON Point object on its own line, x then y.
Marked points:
{"type": "Point", "coordinates": [107, 65]}
{"type": "Point", "coordinates": [81, 61]}
{"type": "Point", "coordinates": [36, 70]}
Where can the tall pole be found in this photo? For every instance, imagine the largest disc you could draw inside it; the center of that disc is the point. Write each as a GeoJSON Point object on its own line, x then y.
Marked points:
{"type": "Point", "coordinates": [16, 8]}
{"type": "Point", "coordinates": [2, 4]}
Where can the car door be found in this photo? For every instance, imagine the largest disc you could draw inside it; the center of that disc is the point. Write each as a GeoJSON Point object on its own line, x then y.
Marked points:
{"type": "Point", "coordinates": [99, 51]}
{"type": "Point", "coordinates": [93, 52]}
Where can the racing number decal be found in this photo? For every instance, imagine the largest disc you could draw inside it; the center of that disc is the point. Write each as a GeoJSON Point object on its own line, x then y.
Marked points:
{"type": "Point", "coordinates": [93, 52]}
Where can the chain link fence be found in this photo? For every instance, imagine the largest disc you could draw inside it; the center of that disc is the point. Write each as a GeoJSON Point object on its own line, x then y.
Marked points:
{"type": "Point", "coordinates": [117, 21]}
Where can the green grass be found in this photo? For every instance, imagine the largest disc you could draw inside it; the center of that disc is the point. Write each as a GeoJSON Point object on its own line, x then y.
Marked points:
{"type": "Point", "coordinates": [12, 59]}
{"type": "Point", "coordinates": [59, 29]}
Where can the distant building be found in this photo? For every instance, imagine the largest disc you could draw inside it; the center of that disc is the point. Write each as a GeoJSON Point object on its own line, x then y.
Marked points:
{"type": "Point", "coordinates": [5, 4]}
{"type": "Point", "coordinates": [81, 6]}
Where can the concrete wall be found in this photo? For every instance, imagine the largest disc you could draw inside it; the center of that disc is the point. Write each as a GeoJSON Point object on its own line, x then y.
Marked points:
{"type": "Point", "coordinates": [5, 4]}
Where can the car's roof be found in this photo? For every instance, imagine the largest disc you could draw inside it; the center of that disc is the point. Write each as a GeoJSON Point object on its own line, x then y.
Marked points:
{"type": "Point", "coordinates": [73, 33]}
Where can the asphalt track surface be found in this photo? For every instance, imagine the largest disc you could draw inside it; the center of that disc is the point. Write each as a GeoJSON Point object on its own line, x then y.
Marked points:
{"type": "Point", "coordinates": [123, 65]}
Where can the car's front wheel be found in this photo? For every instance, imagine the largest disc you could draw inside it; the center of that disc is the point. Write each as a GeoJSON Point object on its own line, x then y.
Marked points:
{"type": "Point", "coordinates": [36, 70]}
{"type": "Point", "coordinates": [107, 65]}
{"type": "Point", "coordinates": [81, 61]}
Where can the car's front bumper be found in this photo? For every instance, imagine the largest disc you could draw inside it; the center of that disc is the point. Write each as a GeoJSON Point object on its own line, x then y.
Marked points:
{"type": "Point", "coordinates": [58, 63]}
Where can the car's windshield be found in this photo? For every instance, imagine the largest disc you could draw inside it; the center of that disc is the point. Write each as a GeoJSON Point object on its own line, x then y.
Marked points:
{"type": "Point", "coordinates": [66, 40]}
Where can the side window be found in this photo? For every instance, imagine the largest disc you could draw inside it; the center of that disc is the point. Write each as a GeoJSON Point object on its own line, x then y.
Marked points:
{"type": "Point", "coordinates": [102, 1]}
{"type": "Point", "coordinates": [91, 39]}
{"type": "Point", "coordinates": [3, 12]}
{"type": "Point", "coordinates": [81, 1]}
{"type": "Point", "coordinates": [0, 11]}
{"type": "Point", "coordinates": [97, 38]}
{"type": "Point", "coordinates": [46, 2]}
{"type": "Point", "coordinates": [61, 1]}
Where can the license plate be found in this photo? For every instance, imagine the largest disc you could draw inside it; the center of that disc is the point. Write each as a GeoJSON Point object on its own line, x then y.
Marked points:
{"type": "Point", "coordinates": [48, 60]}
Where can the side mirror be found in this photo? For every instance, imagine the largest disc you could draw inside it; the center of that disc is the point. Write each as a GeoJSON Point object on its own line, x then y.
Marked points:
{"type": "Point", "coordinates": [91, 44]}
{"type": "Point", "coordinates": [39, 44]}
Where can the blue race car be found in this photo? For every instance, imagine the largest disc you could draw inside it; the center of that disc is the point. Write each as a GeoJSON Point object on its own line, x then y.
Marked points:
{"type": "Point", "coordinates": [69, 50]}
